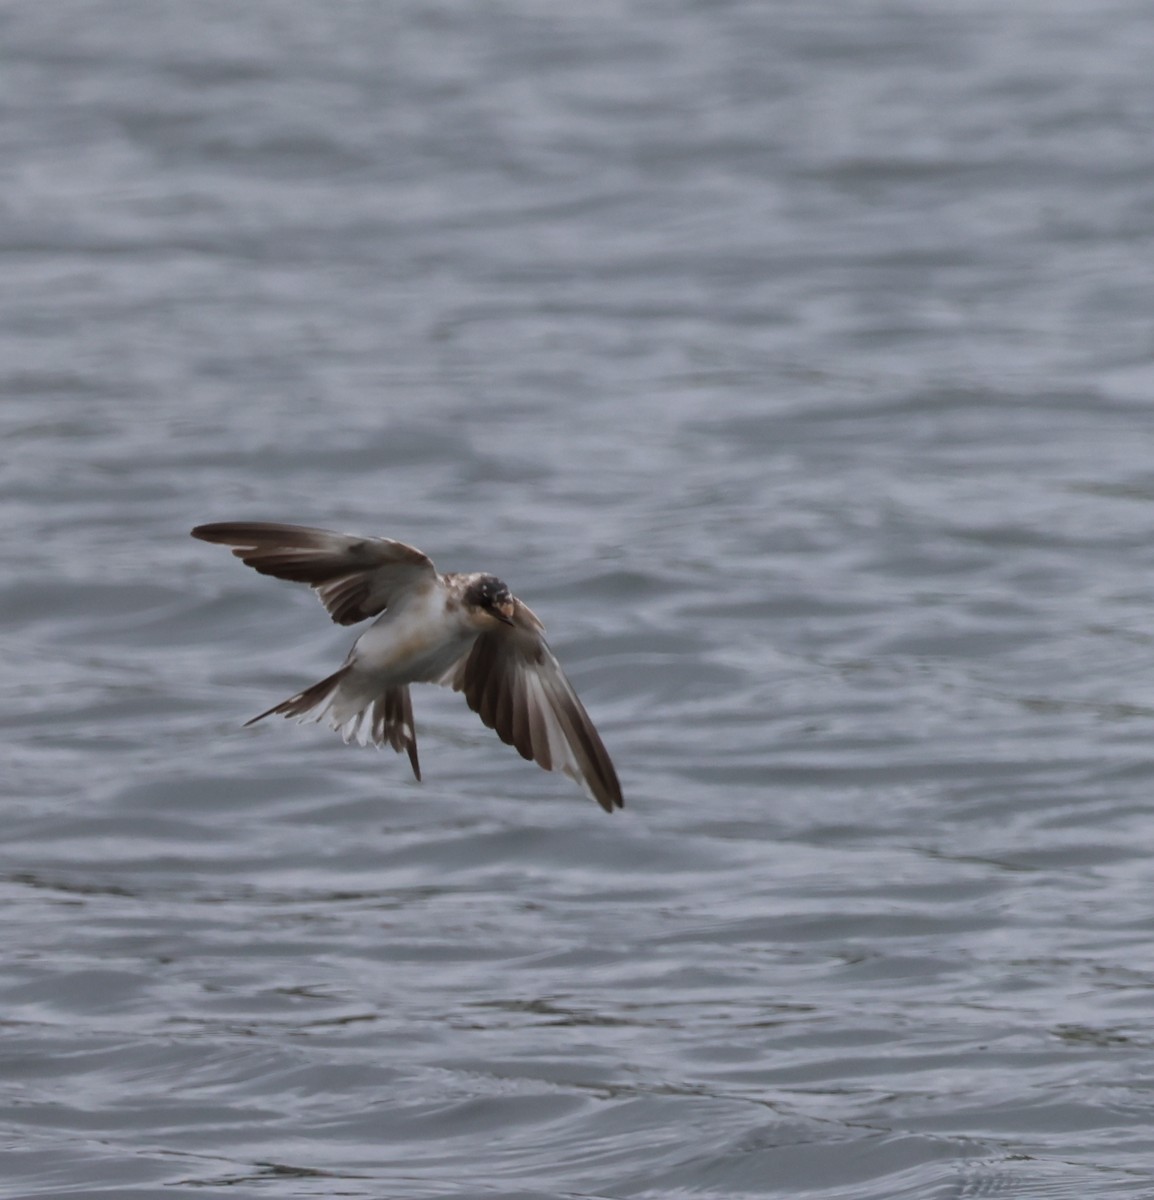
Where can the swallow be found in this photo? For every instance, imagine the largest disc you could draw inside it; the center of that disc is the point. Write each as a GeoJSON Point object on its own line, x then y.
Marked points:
{"type": "Point", "coordinates": [464, 631]}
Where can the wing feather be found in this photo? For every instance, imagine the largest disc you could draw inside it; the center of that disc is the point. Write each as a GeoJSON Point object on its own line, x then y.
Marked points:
{"type": "Point", "coordinates": [354, 577]}
{"type": "Point", "coordinates": [512, 681]}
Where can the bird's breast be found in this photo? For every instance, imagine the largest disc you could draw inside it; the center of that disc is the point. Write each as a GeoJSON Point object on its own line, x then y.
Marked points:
{"type": "Point", "coordinates": [416, 643]}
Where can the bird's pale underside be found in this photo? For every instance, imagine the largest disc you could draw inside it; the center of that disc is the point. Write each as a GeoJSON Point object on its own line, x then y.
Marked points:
{"type": "Point", "coordinates": [461, 630]}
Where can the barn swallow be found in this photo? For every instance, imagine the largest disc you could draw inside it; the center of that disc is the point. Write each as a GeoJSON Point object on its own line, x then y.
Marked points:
{"type": "Point", "coordinates": [465, 631]}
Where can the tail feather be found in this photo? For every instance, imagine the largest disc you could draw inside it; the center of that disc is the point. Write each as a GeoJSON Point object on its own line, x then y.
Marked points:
{"type": "Point", "coordinates": [303, 702]}
{"type": "Point", "coordinates": [393, 723]}
{"type": "Point", "coordinates": [391, 719]}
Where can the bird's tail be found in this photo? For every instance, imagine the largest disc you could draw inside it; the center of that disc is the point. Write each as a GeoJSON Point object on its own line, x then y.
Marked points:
{"type": "Point", "coordinates": [391, 718]}
{"type": "Point", "coordinates": [311, 704]}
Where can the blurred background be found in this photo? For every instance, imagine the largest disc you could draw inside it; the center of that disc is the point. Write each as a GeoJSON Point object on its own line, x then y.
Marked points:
{"type": "Point", "coordinates": [793, 360]}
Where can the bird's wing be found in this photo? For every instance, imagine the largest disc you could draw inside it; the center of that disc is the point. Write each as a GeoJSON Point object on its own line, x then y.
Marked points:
{"type": "Point", "coordinates": [354, 577]}
{"type": "Point", "coordinates": [512, 681]}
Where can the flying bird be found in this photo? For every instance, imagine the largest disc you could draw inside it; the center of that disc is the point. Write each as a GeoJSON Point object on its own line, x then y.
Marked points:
{"type": "Point", "coordinates": [465, 631]}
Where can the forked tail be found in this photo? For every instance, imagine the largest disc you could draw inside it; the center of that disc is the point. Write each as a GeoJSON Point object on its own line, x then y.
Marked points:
{"type": "Point", "coordinates": [391, 721]}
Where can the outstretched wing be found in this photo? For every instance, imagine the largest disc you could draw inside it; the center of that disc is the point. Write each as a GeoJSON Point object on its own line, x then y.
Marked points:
{"type": "Point", "coordinates": [354, 577]}
{"type": "Point", "coordinates": [512, 681]}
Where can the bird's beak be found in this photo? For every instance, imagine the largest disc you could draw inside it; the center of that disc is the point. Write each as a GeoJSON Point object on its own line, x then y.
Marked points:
{"type": "Point", "coordinates": [504, 612]}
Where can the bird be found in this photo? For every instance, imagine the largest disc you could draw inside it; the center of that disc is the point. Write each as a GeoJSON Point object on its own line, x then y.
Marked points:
{"type": "Point", "coordinates": [461, 630]}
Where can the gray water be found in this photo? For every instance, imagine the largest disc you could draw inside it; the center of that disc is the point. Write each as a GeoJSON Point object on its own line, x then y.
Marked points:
{"type": "Point", "coordinates": [794, 361]}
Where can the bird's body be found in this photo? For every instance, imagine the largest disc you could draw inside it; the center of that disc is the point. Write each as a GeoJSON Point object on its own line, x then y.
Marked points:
{"type": "Point", "coordinates": [461, 630]}
{"type": "Point", "coordinates": [419, 639]}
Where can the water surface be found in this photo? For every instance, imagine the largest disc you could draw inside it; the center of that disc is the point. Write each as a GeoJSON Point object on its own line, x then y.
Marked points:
{"type": "Point", "coordinates": [793, 362]}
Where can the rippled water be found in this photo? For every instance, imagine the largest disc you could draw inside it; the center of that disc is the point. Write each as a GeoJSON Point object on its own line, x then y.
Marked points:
{"type": "Point", "coordinates": [793, 361]}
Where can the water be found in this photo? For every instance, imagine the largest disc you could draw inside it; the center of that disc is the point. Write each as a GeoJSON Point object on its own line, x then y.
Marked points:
{"type": "Point", "coordinates": [793, 361]}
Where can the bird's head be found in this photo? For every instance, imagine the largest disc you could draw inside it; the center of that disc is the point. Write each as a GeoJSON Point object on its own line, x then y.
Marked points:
{"type": "Point", "coordinates": [489, 595]}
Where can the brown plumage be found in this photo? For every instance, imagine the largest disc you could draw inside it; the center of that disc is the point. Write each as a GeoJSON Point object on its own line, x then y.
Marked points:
{"type": "Point", "coordinates": [463, 630]}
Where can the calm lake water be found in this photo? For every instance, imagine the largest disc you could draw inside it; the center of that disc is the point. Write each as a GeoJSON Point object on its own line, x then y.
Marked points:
{"type": "Point", "coordinates": [794, 361]}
